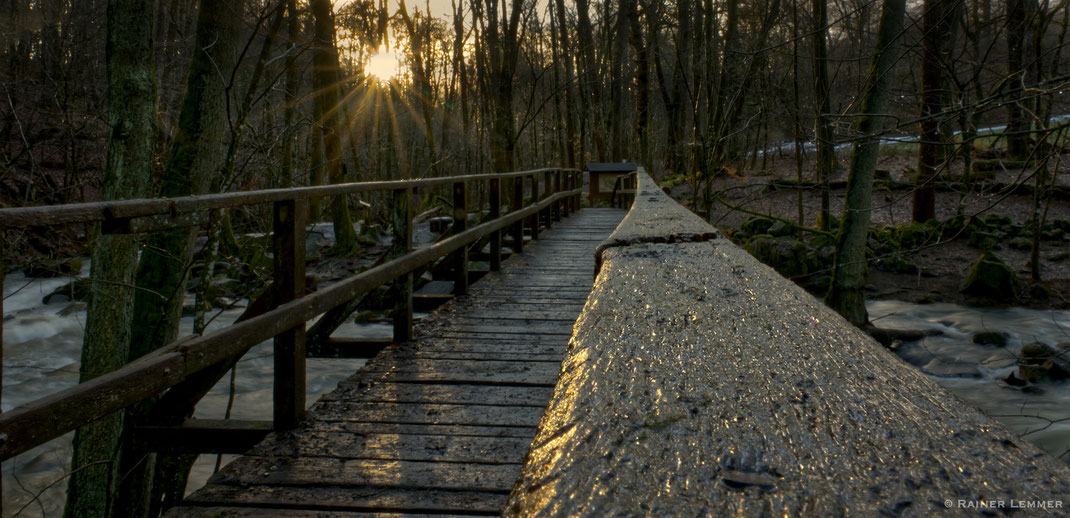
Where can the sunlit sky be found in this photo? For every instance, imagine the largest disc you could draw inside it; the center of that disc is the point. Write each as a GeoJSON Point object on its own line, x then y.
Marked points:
{"type": "Point", "coordinates": [439, 8]}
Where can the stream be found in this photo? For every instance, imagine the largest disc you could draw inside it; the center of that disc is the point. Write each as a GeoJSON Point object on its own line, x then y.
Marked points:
{"type": "Point", "coordinates": [42, 347]}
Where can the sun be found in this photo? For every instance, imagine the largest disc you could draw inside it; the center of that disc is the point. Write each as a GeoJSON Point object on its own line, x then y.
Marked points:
{"type": "Point", "coordinates": [384, 65]}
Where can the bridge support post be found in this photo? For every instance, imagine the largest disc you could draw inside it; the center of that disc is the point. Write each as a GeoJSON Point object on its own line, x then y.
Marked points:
{"type": "Point", "coordinates": [517, 204]}
{"type": "Point", "coordinates": [401, 220]}
{"type": "Point", "coordinates": [577, 182]}
{"type": "Point", "coordinates": [495, 198]}
{"type": "Point", "coordinates": [533, 220]}
{"type": "Point", "coordinates": [289, 244]}
{"type": "Point", "coordinates": [566, 181]}
{"type": "Point", "coordinates": [555, 211]}
{"type": "Point", "coordinates": [460, 224]}
{"type": "Point", "coordinates": [544, 214]}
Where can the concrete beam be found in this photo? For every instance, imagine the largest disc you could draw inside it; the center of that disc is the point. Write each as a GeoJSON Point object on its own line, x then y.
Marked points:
{"type": "Point", "coordinates": [701, 382]}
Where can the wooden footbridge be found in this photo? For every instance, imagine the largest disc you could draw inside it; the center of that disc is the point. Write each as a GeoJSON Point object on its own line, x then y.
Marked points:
{"type": "Point", "coordinates": [690, 380]}
{"type": "Point", "coordinates": [440, 424]}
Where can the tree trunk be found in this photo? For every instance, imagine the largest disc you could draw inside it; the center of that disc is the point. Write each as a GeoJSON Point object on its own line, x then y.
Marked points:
{"type": "Point", "coordinates": [642, 88]}
{"type": "Point", "coordinates": [849, 266]}
{"type": "Point", "coordinates": [565, 54]}
{"type": "Point", "coordinates": [1018, 15]}
{"type": "Point", "coordinates": [286, 169]}
{"type": "Point", "coordinates": [938, 20]}
{"type": "Point", "coordinates": [327, 108]}
{"type": "Point", "coordinates": [132, 121]}
{"type": "Point", "coordinates": [195, 160]}
{"type": "Point", "coordinates": [502, 48]}
{"type": "Point", "coordinates": [826, 156]}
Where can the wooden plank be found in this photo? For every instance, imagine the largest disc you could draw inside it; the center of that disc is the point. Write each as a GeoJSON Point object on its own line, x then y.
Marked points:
{"type": "Point", "coordinates": [408, 413]}
{"type": "Point", "coordinates": [475, 371]}
{"type": "Point", "coordinates": [423, 429]}
{"type": "Point", "coordinates": [554, 357]}
{"type": "Point", "coordinates": [324, 471]}
{"type": "Point", "coordinates": [563, 319]}
{"type": "Point", "coordinates": [289, 500]}
{"type": "Point", "coordinates": [408, 447]}
{"type": "Point", "coordinates": [442, 394]}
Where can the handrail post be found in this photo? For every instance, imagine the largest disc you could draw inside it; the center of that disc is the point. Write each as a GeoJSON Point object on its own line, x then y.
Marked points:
{"type": "Point", "coordinates": [547, 191]}
{"type": "Point", "coordinates": [566, 203]}
{"type": "Point", "coordinates": [517, 204]}
{"type": "Point", "coordinates": [563, 187]}
{"type": "Point", "coordinates": [401, 220]}
{"type": "Point", "coordinates": [495, 195]}
{"type": "Point", "coordinates": [460, 224]}
{"type": "Point", "coordinates": [574, 200]}
{"type": "Point", "coordinates": [533, 220]}
{"type": "Point", "coordinates": [289, 244]}
{"type": "Point", "coordinates": [556, 210]}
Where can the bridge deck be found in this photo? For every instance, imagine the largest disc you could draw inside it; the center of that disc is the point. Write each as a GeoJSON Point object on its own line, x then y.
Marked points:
{"type": "Point", "coordinates": [440, 424]}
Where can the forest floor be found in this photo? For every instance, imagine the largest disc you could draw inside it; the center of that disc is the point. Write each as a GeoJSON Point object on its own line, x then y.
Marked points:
{"type": "Point", "coordinates": [941, 263]}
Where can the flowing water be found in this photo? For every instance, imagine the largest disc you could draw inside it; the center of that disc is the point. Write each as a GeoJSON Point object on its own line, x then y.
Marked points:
{"type": "Point", "coordinates": [42, 347]}
{"type": "Point", "coordinates": [974, 373]}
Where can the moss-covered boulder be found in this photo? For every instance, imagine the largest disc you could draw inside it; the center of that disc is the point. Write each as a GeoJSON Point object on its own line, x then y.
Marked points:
{"type": "Point", "coordinates": [1021, 244]}
{"type": "Point", "coordinates": [757, 225]}
{"type": "Point", "coordinates": [1042, 362]}
{"type": "Point", "coordinates": [984, 240]}
{"type": "Point", "coordinates": [913, 235]}
{"type": "Point", "coordinates": [79, 290]}
{"type": "Point", "coordinates": [996, 338]}
{"type": "Point", "coordinates": [787, 256]}
{"type": "Point", "coordinates": [989, 278]}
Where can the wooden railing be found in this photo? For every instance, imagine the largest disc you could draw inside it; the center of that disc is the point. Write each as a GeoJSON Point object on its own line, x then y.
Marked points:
{"type": "Point", "coordinates": [189, 367]}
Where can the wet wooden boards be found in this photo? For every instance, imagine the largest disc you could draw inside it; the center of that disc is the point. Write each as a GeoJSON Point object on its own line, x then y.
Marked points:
{"type": "Point", "coordinates": [438, 425]}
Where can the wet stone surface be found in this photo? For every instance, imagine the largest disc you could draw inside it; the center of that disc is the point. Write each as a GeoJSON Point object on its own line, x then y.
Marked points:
{"type": "Point", "coordinates": [700, 382]}
{"type": "Point", "coordinates": [656, 218]}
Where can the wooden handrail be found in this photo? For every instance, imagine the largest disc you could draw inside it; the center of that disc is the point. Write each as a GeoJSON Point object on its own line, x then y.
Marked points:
{"type": "Point", "coordinates": [123, 209]}
{"type": "Point", "coordinates": [51, 416]}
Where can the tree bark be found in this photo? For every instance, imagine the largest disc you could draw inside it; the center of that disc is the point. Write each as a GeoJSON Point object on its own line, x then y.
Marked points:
{"type": "Point", "coordinates": [132, 123]}
{"type": "Point", "coordinates": [565, 55]}
{"type": "Point", "coordinates": [196, 157]}
{"type": "Point", "coordinates": [1018, 17]}
{"type": "Point", "coordinates": [326, 74]}
{"type": "Point", "coordinates": [938, 19]}
{"type": "Point", "coordinates": [826, 156]}
{"type": "Point", "coordinates": [849, 266]}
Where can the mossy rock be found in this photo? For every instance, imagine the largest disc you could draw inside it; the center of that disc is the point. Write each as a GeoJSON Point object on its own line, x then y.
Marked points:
{"type": "Point", "coordinates": [989, 278]}
{"type": "Point", "coordinates": [913, 235]}
{"type": "Point", "coordinates": [79, 290]}
{"type": "Point", "coordinates": [896, 264]}
{"type": "Point", "coordinates": [1039, 291]}
{"type": "Point", "coordinates": [996, 338]}
{"type": "Point", "coordinates": [787, 256]}
{"type": "Point", "coordinates": [822, 240]}
{"type": "Point", "coordinates": [1059, 257]}
{"type": "Point", "coordinates": [953, 226]}
{"type": "Point", "coordinates": [834, 222]}
{"type": "Point", "coordinates": [757, 225]}
{"type": "Point", "coordinates": [984, 240]}
{"type": "Point", "coordinates": [780, 229]}
{"type": "Point", "coordinates": [997, 221]}
{"type": "Point", "coordinates": [1021, 244]}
